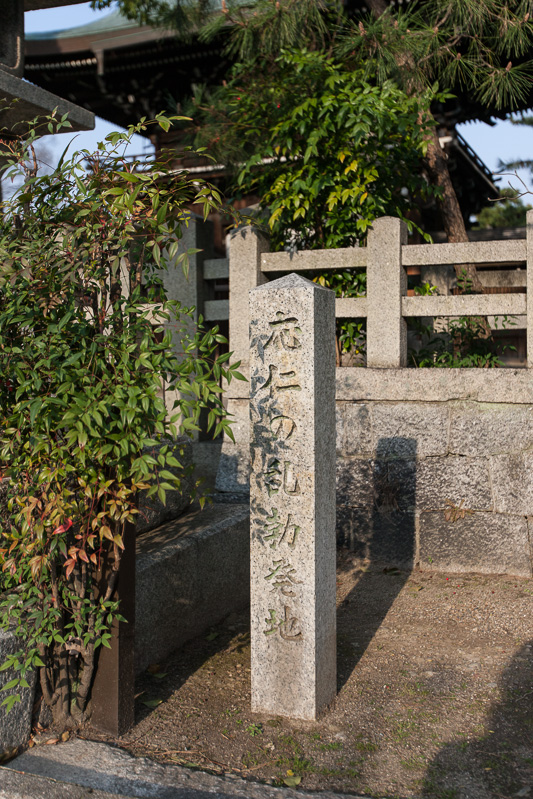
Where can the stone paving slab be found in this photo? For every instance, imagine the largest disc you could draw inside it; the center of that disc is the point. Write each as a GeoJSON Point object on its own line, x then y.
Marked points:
{"type": "Point", "coordinates": [15, 785]}
{"type": "Point", "coordinates": [78, 769]}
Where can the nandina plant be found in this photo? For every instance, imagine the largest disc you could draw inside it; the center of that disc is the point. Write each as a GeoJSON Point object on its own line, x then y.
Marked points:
{"type": "Point", "coordinates": [86, 352]}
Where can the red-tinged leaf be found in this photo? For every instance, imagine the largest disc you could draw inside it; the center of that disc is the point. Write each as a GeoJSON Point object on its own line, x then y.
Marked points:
{"type": "Point", "coordinates": [70, 566]}
{"type": "Point", "coordinates": [63, 527]}
{"type": "Point", "coordinates": [94, 559]}
{"type": "Point", "coordinates": [105, 532]}
{"type": "Point", "coordinates": [36, 565]}
{"type": "Point", "coordinates": [83, 556]}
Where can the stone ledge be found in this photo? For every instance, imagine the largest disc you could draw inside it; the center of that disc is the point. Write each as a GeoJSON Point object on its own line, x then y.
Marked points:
{"type": "Point", "coordinates": [513, 386]}
{"type": "Point", "coordinates": [191, 573]}
{"type": "Point", "coordinates": [32, 101]}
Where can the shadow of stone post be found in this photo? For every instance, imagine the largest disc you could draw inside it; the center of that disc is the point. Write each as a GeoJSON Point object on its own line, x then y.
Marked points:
{"type": "Point", "coordinates": [379, 527]}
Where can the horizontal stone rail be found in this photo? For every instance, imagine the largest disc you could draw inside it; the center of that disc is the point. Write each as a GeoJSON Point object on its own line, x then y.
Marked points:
{"type": "Point", "coordinates": [318, 260]}
{"type": "Point", "coordinates": [473, 252]}
{"type": "Point", "coordinates": [216, 268]}
{"type": "Point", "coordinates": [478, 252]}
{"type": "Point", "coordinates": [216, 310]}
{"type": "Point", "coordinates": [355, 308]}
{"type": "Point", "coordinates": [465, 305]}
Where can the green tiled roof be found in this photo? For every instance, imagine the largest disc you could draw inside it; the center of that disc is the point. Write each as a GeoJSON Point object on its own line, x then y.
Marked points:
{"type": "Point", "coordinates": [111, 22]}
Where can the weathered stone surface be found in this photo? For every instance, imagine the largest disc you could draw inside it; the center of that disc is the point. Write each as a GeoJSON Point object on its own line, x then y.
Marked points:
{"type": "Point", "coordinates": [339, 427]}
{"type": "Point", "coordinates": [382, 485]}
{"type": "Point", "coordinates": [455, 479]}
{"type": "Point", "coordinates": [302, 260]}
{"type": "Point", "coordinates": [386, 284]}
{"type": "Point", "coordinates": [481, 429]}
{"type": "Point", "coordinates": [152, 512]}
{"type": "Point", "coordinates": [355, 482]}
{"type": "Point", "coordinates": [512, 483]}
{"type": "Point", "coordinates": [410, 430]}
{"type": "Point", "coordinates": [381, 537]}
{"type": "Point", "coordinates": [434, 385]}
{"type": "Point", "coordinates": [245, 250]}
{"type": "Point", "coordinates": [478, 252]}
{"type": "Point", "coordinates": [490, 543]}
{"type": "Point", "coordinates": [190, 574]}
{"type": "Point", "coordinates": [357, 428]}
{"type": "Point", "coordinates": [292, 493]}
{"type": "Point", "coordinates": [233, 473]}
{"type": "Point", "coordinates": [15, 727]}
{"type": "Point", "coordinates": [465, 305]}
{"type": "Point", "coordinates": [246, 247]}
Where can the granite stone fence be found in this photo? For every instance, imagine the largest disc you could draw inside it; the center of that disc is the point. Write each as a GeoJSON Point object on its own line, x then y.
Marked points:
{"type": "Point", "coordinates": [434, 466]}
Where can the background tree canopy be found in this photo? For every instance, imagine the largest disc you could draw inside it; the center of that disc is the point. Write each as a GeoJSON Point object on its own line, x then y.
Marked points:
{"type": "Point", "coordinates": [325, 150]}
{"type": "Point", "coordinates": [479, 47]}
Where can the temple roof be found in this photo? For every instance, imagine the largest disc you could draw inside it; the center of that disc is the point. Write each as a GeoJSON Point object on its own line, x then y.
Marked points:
{"type": "Point", "coordinates": [110, 23]}
{"type": "Point", "coordinates": [120, 70]}
{"type": "Point", "coordinates": [36, 5]}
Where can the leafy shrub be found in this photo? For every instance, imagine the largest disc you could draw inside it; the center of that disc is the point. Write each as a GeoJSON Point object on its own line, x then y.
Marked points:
{"type": "Point", "coordinates": [85, 351]}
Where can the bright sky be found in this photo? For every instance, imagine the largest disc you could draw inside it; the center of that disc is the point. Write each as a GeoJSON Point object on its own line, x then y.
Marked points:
{"type": "Point", "coordinates": [503, 141]}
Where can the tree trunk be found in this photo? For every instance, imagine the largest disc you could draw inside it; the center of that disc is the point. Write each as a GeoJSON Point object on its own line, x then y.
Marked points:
{"type": "Point", "coordinates": [452, 218]}
{"type": "Point", "coordinates": [436, 161]}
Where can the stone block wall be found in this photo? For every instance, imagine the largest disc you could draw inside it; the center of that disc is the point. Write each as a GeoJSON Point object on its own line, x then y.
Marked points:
{"type": "Point", "coordinates": [440, 479]}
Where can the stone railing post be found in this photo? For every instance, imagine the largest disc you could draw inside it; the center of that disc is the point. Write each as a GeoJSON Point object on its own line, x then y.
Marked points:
{"type": "Point", "coordinates": [529, 290]}
{"type": "Point", "coordinates": [189, 291]}
{"type": "Point", "coordinates": [246, 247]}
{"type": "Point", "coordinates": [292, 497]}
{"type": "Point", "coordinates": [386, 344]}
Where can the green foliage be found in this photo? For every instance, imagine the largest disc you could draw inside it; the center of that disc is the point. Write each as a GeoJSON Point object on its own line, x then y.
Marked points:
{"type": "Point", "coordinates": [83, 422]}
{"type": "Point", "coordinates": [481, 46]}
{"type": "Point", "coordinates": [459, 344]}
{"type": "Point", "coordinates": [325, 150]}
{"type": "Point", "coordinates": [509, 212]}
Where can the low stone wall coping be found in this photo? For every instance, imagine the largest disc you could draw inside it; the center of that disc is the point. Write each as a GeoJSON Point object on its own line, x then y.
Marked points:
{"type": "Point", "coordinates": [513, 386]}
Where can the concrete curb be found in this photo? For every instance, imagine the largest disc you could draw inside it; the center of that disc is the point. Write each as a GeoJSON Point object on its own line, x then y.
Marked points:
{"type": "Point", "coordinates": [110, 771]}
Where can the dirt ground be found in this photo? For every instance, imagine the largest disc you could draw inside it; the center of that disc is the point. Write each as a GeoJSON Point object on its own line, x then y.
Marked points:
{"type": "Point", "coordinates": [435, 694]}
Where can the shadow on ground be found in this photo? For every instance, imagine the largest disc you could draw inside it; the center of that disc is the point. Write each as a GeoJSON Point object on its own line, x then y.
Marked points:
{"type": "Point", "coordinates": [383, 533]}
{"type": "Point", "coordinates": [500, 763]}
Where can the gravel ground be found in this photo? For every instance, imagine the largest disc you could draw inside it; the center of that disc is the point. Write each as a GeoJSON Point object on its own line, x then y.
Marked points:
{"type": "Point", "coordinates": [435, 692]}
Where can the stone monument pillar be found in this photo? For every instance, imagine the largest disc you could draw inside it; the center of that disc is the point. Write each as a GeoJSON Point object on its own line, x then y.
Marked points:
{"type": "Point", "coordinates": [292, 497]}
